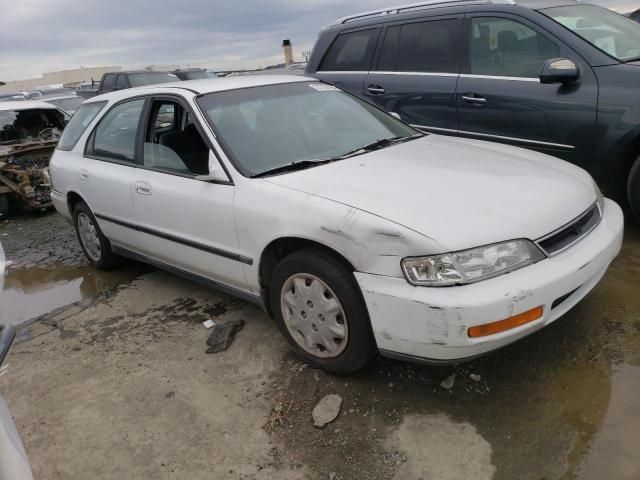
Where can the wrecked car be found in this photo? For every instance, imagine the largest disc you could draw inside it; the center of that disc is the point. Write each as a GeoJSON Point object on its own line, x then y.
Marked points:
{"type": "Point", "coordinates": [356, 232]}
{"type": "Point", "coordinates": [29, 131]}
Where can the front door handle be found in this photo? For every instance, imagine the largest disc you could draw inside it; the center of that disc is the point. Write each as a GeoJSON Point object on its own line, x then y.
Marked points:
{"type": "Point", "coordinates": [84, 174]}
{"type": "Point", "coordinates": [375, 90]}
{"type": "Point", "coordinates": [473, 99]}
{"type": "Point", "coordinates": [143, 188]}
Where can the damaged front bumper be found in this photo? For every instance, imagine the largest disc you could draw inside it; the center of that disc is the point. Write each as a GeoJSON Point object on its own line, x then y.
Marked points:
{"type": "Point", "coordinates": [430, 325]}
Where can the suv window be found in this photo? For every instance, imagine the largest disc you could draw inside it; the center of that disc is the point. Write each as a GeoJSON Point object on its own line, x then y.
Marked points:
{"type": "Point", "coordinates": [109, 81]}
{"type": "Point", "coordinates": [173, 142]}
{"type": "Point", "coordinates": [115, 135]}
{"type": "Point", "coordinates": [121, 82]}
{"type": "Point", "coordinates": [78, 124]}
{"type": "Point", "coordinates": [420, 47]}
{"type": "Point", "coordinates": [351, 51]}
{"type": "Point", "coordinates": [507, 48]}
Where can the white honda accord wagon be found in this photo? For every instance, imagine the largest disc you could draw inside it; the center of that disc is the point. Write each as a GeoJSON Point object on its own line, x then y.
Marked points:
{"type": "Point", "coordinates": [356, 232]}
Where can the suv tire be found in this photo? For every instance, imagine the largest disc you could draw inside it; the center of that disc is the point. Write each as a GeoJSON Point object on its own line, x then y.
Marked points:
{"type": "Point", "coordinates": [95, 245]}
{"type": "Point", "coordinates": [319, 308]}
{"type": "Point", "coordinates": [633, 189]}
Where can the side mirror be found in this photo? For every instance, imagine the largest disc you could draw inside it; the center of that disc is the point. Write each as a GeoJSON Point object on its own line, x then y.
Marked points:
{"type": "Point", "coordinates": [559, 70]}
{"type": "Point", "coordinates": [216, 172]}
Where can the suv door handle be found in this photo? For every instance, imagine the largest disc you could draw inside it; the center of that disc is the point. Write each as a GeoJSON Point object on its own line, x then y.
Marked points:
{"type": "Point", "coordinates": [375, 90]}
{"type": "Point", "coordinates": [471, 98]}
{"type": "Point", "coordinates": [143, 188]}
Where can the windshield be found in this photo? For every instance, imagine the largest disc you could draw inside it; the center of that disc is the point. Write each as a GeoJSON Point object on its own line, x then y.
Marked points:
{"type": "Point", "coordinates": [69, 104]}
{"type": "Point", "coordinates": [614, 34]}
{"type": "Point", "coordinates": [264, 128]}
{"type": "Point", "coordinates": [141, 79]}
{"type": "Point", "coordinates": [25, 126]}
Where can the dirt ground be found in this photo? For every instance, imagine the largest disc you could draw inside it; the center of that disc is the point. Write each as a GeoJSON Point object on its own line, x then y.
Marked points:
{"type": "Point", "coordinates": [110, 380]}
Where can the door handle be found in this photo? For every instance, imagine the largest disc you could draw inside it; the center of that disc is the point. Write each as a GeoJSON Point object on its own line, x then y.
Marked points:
{"type": "Point", "coordinates": [375, 90]}
{"type": "Point", "coordinates": [143, 188]}
{"type": "Point", "coordinates": [471, 98]}
{"type": "Point", "coordinates": [84, 174]}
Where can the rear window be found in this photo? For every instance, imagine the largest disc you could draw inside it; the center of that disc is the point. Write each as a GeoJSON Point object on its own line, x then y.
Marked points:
{"type": "Point", "coordinates": [420, 47]}
{"type": "Point", "coordinates": [351, 51]}
{"type": "Point", "coordinates": [78, 124]}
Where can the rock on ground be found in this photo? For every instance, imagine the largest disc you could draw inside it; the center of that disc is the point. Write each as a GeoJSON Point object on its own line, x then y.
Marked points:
{"type": "Point", "coordinates": [327, 410]}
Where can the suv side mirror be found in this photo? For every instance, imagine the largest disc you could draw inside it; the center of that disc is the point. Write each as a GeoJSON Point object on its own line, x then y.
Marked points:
{"type": "Point", "coordinates": [559, 70]}
{"type": "Point", "coordinates": [216, 172]}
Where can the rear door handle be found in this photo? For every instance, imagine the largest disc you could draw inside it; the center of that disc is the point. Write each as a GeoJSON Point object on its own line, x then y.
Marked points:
{"type": "Point", "coordinates": [84, 174]}
{"type": "Point", "coordinates": [471, 98]}
{"type": "Point", "coordinates": [375, 90]}
{"type": "Point", "coordinates": [143, 188]}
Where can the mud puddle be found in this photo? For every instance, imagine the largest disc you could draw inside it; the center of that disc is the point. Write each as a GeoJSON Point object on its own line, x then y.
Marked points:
{"type": "Point", "coordinates": [31, 292]}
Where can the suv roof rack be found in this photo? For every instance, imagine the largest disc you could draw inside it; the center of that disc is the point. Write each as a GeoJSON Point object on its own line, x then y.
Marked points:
{"type": "Point", "coordinates": [412, 7]}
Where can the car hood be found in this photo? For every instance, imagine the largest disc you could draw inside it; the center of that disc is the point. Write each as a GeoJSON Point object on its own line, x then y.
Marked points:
{"type": "Point", "coordinates": [461, 193]}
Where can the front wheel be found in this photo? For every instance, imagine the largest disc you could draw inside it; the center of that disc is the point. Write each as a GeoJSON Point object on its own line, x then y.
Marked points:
{"type": "Point", "coordinates": [320, 310]}
{"type": "Point", "coordinates": [95, 245]}
{"type": "Point", "coordinates": [633, 189]}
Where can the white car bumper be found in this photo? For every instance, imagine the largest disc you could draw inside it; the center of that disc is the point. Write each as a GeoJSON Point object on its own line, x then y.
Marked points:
{"type": "Point", "coordinates": [431, 324]}
{"type": "Point", "coordinates": [59, 201]}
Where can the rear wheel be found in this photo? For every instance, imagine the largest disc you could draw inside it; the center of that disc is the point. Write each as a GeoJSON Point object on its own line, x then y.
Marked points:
{"type": "Point", "coordinates": [95, 245]}
{"type": "Point", "coordinates": [633, 189]}
{"type": "Point", "coordinates": [320, 310]}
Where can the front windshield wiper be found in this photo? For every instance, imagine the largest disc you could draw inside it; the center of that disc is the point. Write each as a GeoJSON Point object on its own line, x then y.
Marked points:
{"type": "Point", "coordinates": [378, 144]}
{"type": "Point", "coordinates": [290, 167]}
{"type": "Point", "coordinates": [302, 164]}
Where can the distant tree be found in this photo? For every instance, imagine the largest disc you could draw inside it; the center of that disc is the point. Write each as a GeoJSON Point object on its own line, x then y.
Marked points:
{"type": "Point", "coordinates": [2, 83]}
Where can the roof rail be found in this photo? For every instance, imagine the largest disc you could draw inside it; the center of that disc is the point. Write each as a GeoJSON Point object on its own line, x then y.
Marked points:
{"type": "Point", "coordinates": [411, 7]}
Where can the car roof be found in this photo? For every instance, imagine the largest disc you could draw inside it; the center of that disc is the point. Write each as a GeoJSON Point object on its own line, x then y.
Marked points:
{"type": "Point", "coordinates": [26, 105]}
{"type": "Point", "coordinates": [426, 5]}
{"type": "Point", "coordinates": [205, 85]}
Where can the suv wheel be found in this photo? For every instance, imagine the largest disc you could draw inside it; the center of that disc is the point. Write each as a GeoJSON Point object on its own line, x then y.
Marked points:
{"type": "Point", "coordinates": [320, 310]}
{"type": "Point", "coordinates": [94, 244]}
{"type": "Point", "coordinates": [633, 189]}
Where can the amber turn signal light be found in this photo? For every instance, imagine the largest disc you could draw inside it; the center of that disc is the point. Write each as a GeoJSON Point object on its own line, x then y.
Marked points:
{"type": "Point", "coordinates": [507, 324]}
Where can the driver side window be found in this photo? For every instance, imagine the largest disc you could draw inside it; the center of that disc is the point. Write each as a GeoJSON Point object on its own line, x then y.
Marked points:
{"type": "Point", "coordinates": [173, 142]}
{"type": "Point", "coordinates": [505, 48]}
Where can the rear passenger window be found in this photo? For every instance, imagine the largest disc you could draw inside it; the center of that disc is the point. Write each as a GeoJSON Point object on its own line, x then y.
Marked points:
{"type": "Point", "coordinates": [506, 48]}
{"type": "Point", "coordinates": [115, 135]}
{"type": "Point", "coordinates": [351, 51]}
{"type": "Point", "coordinates": [78, 124]}
{"type": "Point", "coordinates": [121, 82]}
{"type": "Point", "coordinates": [428, 47]}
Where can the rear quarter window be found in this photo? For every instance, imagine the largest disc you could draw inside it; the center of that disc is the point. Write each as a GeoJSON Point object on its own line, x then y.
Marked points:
{"type": "Point", "coordinates": [351, 51]}
{"type": "Point", "coordinates": [78, 124]}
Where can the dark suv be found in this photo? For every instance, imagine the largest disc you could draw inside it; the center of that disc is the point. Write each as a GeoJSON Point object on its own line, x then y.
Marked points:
{"type": "Point", "coordinates": [551, 75]}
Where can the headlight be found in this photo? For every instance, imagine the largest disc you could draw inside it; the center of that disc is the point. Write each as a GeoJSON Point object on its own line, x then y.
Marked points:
{"type": "Point", "coordinates": [469, 266]}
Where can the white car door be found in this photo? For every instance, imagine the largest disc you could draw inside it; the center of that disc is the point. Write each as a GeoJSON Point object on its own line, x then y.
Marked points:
{"type": "Point", "coordinates": [183, 222]}
{"type": "Point", "coordinates": [106, 180]}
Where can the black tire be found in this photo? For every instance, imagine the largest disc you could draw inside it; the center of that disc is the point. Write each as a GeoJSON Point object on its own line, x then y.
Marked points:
{"type": "Point", "coordinates": [107, 260]}
{"type": "Point", "coordinates": [633, 189]}
{"type": "Point", "coordinates": [361, 346]}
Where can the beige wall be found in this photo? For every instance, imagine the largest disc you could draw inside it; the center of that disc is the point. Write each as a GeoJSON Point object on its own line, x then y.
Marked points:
{"type": "Point", "coordinates": [62, 77]}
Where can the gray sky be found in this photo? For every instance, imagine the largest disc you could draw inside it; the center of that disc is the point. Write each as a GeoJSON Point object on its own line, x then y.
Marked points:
{"type": "Point", "coordinates": [45, 35]}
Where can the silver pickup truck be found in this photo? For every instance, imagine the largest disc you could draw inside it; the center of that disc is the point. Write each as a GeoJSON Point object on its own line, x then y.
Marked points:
{"type": "Point", "coordinates": [14, 464]}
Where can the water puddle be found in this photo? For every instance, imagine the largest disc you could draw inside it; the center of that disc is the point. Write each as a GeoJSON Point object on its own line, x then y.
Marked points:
{"type": "Point", "coordinates": [31, 292]}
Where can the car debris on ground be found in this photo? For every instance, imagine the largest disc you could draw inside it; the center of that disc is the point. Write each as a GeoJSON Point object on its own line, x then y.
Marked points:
{"type": "Point", "coordinates": [222, 335]}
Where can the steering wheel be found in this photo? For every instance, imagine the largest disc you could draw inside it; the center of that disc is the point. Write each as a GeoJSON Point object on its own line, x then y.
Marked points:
{"type": "Point", "coordinates": [45, 131]}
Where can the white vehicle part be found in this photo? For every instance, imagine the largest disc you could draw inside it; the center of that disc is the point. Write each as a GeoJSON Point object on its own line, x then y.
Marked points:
{"type": "Point", "coordinates": [14, 464]}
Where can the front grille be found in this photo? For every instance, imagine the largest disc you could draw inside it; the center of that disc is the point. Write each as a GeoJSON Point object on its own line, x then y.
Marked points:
{"type": "Point", "coordinates": [569, 234]}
